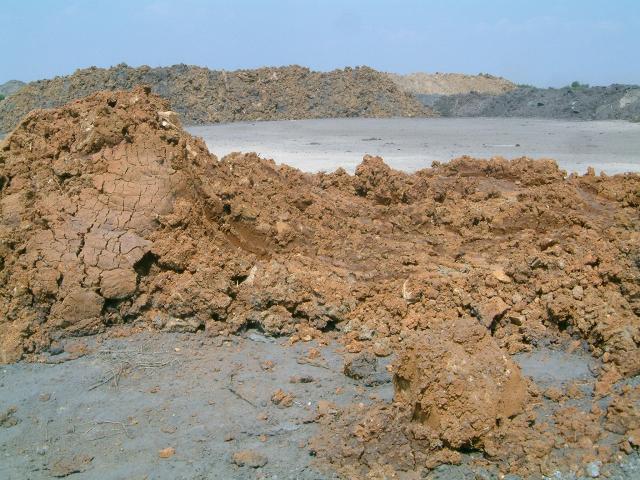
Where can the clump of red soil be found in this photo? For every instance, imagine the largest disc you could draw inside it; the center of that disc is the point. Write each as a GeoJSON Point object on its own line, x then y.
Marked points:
{"type": "Point", "coordinates": [458, 383]}
{"type": "Point", "coordinates": [110, 213]}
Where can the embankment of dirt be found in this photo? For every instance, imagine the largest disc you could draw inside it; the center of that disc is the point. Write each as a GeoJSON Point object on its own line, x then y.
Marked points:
{"type": "Point", "coordinates": [451, 83]}
{"type": "Point", "coordinates": [201, 96]}
{"type": "Point", "coordinates": [615, 102]}
{"type": "Point", "coordinates": [111, 212]}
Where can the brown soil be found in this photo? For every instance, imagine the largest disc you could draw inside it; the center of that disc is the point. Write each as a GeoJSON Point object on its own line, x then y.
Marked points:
{"type": "Point", "coordinates": [452, 83]}
{"type": "Point", "coordinates": [200, 95]}
{"type": "Point", "coordinates": [110, 213]}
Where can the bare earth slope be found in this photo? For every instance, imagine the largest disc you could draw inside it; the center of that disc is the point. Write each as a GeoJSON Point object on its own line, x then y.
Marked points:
{"type": "Point", "coordinates": [201, 95]}
{"type": "Point", "coordinates": [110, 213]}
{"type": "Point", "coordinates": [451, 83]}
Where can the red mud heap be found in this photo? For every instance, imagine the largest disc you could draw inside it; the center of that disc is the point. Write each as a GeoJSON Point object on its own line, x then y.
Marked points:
{"type": "Point", "coordinates": [110, 213]}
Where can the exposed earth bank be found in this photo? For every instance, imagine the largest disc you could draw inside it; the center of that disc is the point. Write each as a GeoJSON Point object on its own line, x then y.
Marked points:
{"type": "Point", "coordinates": [201, 95]}
{"type": "Point", "coordinates": [111, 214]}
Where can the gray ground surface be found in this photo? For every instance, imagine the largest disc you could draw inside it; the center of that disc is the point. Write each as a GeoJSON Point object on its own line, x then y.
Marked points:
{"type": "Point", "coordinates": [108, 414]}
{"type": "Point", "coordinates": [207, 398]}
{"type": "Point", "coordinates": [410, 144]}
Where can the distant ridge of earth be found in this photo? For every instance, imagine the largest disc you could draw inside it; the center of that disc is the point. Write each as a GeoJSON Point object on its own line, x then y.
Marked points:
{"type": "Point", "coordinates": [10, 87]}
{"type": "Point", "coordinates": [202, 96]}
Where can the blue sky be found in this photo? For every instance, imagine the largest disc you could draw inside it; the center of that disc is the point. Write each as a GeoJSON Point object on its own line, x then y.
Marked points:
{"type": "Point", "coordinates": [540, 42]}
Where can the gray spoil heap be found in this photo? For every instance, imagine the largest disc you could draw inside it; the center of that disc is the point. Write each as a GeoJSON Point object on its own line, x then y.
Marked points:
{"type": "Point", "coordinates": [615, 102]}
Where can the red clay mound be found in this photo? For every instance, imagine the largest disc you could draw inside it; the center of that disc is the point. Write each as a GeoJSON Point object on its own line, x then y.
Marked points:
{"type": "Point", "coordinates": [112, 213]}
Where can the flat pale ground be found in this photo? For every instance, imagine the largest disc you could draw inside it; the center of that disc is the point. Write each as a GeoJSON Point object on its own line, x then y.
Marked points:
{"type": "Point", "coordinates": [410, 144]}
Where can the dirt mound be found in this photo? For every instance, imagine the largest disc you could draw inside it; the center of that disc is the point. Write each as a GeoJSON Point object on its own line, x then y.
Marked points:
{"type": "Point", "coordinates": [621, 102]}
{"type": "Point", "coordinates": [202, 96]}
{"type": "Point", "coordinates": [451, 83]}
{"type": "Point", "coordinates": [106, 205]}
{"type": "Point", "coordinates": [110, 213]}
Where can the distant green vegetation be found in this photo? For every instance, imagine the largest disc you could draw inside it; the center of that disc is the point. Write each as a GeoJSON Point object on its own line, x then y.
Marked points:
{"type": "Point", "coordinates": [1, 97]}
{"type": "Point", "coordinates": [576, 85]}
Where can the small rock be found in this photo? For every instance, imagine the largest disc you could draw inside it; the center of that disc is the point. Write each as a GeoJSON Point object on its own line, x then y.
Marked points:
{"type": "Point", "coordinates": [167, 452]}
{"type": "Point", "coordinates": [546, 243]}
{"type": "Point", "coordinates": [64, 467]}
{"type": "Point", "coordinates": [267, 365]}
{"type": "Point", "coordinates": [7, 418]}
{"type": "Point", "coordinates": [517, 319]}
{"type": "Point", "coordinates": [44, 397]}
{"type": "Point", "coordinates": [326, 408]}
{"type": "Point", "coordinates": [499, 274]}
{"type": "Point", "coordinates": [251, 458]}
{"type": "Point", "coordinates": [381, 349]}
{"type": "Point", "coordinates": [633, 437]}
{"type": "Point", "coordinates": [56, 349]}
{"type": "Point", "coordinates": [553, 393]}
{"type": "Point", "coordinates": [361, 366]}
{"type": "Point", "coordinates": [365, 334]}
{"type": "Point", "coordinates": [492, 309]}
{"type": "Point", "coordinates": [188, 325]}
{"type": "Point", "coordinates": [592, 469]}
{"type": "Point", "coordinates": [256, 337]}
{"type": "Point", "coordinates": [77, 349]}
{"type": "Point", "coordinates": [301, 379]}
{"type": "Point", "coordinates": [577, 292]}
{"type": "Point", "coordinates": [282, 399]}
{"type": "Point", "coordinates": [364, 367]}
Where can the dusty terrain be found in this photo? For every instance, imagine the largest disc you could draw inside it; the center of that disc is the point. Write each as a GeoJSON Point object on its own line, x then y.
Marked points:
{"type": "Point", "coordinates": [451, 83]}
{"type": "Point", "coordinates": [111, 215]}
{"type": "Point", "coordinates": [201, 95]}
{"type": "Point", "coordinates": [410, 144]}
{"type": "Point", "coordinates": [208, 399]}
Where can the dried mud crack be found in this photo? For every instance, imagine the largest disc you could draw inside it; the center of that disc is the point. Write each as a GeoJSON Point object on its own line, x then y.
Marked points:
{"type": "Point", "coordinates": [111, 215]}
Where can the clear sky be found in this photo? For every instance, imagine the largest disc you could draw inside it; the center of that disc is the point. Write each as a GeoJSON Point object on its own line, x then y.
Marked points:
{"type": "Point", "coordinates": [539, 42]}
